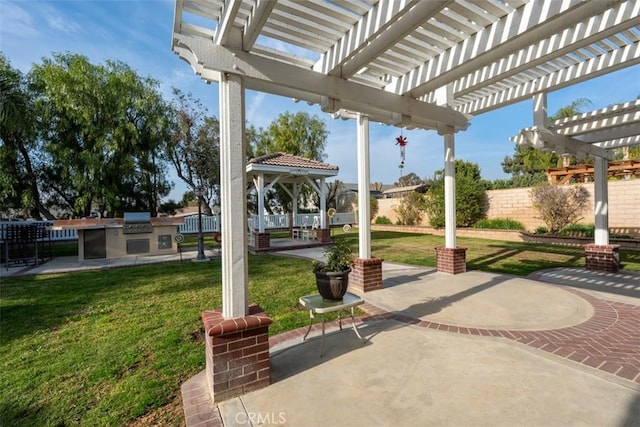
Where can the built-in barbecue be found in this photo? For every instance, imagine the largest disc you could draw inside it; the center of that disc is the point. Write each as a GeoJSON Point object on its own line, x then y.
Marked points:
{"type": "Point", "coordinates": [137, 223]}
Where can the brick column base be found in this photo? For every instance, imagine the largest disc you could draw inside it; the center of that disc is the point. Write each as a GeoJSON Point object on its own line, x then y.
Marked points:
{"type": "Point", "coordinates": [237, 353]}
{"type": "Point", "coordinates": [262, 241]}
{"type": "Point", "coordinates": [602, 257]}
{"type": "Point", "coordinates": [324, 235]}
{"type": "Point", "coordinates": [451, 260]}
{"type": "Point", "coordinates": [366, 274]}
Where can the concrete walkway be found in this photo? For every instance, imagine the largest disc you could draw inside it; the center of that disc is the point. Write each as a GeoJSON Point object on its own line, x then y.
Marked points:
{"type": "Point", "coordinates": [476, 349]}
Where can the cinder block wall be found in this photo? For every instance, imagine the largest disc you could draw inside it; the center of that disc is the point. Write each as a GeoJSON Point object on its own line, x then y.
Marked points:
{"type": "Point", "coordinates": [515, 203]}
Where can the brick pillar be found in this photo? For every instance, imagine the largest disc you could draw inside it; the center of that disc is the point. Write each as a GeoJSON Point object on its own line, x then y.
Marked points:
{"type": "Point", "coordinates": [324, 235]}
{"type": "Point", "coordinates": [366, 274]}
{"type": "Point", "coordinates": [262, 241]}
{"type": "Point", "coordinates": [602, 257]}
{"type": "Point", "coordinates": [451, 260]}
{"type": "Point", "coordinates": [237, 353]}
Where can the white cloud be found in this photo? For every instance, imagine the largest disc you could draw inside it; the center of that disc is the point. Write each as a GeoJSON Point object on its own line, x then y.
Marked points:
{"type": "Point", "coordinates": [16, 22]}
{"type": "Point", "coordinates": [58, 22]}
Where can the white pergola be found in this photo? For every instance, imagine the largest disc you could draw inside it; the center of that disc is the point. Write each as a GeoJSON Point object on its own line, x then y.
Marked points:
{"type": "Point", "coordinates": [597, 133]}
{"type": "Point", "coordinates": [409, 63]}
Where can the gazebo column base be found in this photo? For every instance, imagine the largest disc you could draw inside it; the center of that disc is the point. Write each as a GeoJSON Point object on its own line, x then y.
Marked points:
{"type": "Point", "coordinates": [237, 353]}
{"type": "Point", "coordinates": [602, 257]}
{"type": "Point", "coordinates": [323, 235]}
{"type": "Point", "coordinates": [451, 260]}
{"type": "Point", "coordinates": [261, 240]}
{"type": "Point", "coordinates": [366, 274]}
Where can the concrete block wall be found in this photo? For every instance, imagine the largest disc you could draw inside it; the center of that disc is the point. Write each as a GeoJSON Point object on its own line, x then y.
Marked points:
{"type": "Point", "coordinates": [515, 203]}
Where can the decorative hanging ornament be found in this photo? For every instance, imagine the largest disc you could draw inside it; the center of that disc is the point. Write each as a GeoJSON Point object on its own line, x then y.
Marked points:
{"type": "Point", "coordinates": [402, 142]}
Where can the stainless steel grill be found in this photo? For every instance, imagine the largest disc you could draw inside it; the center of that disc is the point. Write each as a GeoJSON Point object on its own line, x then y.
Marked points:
{"type": "Point", "coordinates": [137, 223]}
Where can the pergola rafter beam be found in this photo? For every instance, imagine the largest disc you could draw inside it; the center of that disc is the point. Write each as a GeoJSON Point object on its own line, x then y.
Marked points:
{"type": "Point", "coordinates": [203, 55]}
{"type": "Point", "coordinates": [603, 64]}
{"type": "Point", "coordinates": [256, 21]}
{"type": "Point", "coordinates": [375, 33]}
{"type": "Point", "coordinates": [227, 19]}
{"type": "Point", "coordinates": [524, 26]}
{"type": "Point", "coordinates": [567, 41]}
{"type": "Point", "coordinates": [543, 138]}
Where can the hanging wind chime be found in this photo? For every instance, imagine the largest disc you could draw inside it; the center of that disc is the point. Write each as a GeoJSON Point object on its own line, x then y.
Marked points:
{"type": "Point", "coordinates": [402, 142]}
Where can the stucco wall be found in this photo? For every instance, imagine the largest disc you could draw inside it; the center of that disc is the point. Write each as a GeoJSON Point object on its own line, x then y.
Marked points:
{"type": "Point", "coordinates": [624, 207]}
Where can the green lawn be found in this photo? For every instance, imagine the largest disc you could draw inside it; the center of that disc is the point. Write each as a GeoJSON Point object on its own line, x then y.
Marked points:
{"type": "Point", "coordinates": [112, 347]}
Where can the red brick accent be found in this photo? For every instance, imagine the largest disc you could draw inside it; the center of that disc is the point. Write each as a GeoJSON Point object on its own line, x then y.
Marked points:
{"type": "Point", "coordinates": [324, 235]}
{"type": "Point", "coordinates": [451, 260]}
{"type": "Point", "coordinates": [602, 257]}
{"type": "Point", "coordinates": [366, 274]}
{"type": "Point", "coordinates": [262, 240]}
{"type": "Point", "coordinates": [237, 353]}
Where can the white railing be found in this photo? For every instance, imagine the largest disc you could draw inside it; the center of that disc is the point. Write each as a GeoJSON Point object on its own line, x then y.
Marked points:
{"type": "Point", "coordinates": [190, 225]}
{"type": "Point", "coordinates": [210, 224]}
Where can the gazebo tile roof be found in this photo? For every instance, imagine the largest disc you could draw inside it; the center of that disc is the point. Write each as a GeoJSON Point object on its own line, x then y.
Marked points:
{"type": "Point", "coordinates": [289, 160]}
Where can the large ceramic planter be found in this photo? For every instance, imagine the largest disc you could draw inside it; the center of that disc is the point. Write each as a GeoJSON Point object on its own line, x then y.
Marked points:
{"type": "Point", "coordinates": [331, 285]}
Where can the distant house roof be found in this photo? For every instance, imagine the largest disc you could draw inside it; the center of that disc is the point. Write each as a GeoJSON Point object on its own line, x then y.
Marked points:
{"type": "Point", "coordinates": [420, 188]}
{"type": "Point", "coordinates": [351, 186]}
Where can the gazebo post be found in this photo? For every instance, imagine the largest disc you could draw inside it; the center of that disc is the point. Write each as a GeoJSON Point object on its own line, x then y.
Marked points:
{"type": "Point", "coordinates": [367, 271]}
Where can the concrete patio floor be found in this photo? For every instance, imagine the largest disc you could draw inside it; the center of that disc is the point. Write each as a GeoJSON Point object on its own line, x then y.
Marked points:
{"type": "Point", "coordinates": [476, 349]}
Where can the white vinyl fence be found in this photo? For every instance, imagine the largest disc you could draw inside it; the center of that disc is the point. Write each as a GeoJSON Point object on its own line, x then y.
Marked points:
{"type": "Point", "coordinates": [210, 224]}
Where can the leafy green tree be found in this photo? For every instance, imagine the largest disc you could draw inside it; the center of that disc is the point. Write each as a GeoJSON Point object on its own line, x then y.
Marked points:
{"type": "Point", "coordinates": [194, 147]}
{"type": "Point", "coordinates": [409, 179]}
{"type": "Point", "coordinates": [104, 129]}
{"type": "Point", "coordinates": [470, 196]}
{"type": "Point", "coordinates": [20, 165]}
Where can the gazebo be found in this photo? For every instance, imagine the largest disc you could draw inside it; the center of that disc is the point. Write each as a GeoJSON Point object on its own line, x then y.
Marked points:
{"type": "Point", "coordinates": [430, 65]}
{"type": "Point", "coordinates": [290, 173]}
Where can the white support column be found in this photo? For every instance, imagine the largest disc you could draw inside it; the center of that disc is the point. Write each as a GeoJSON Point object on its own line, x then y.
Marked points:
{"type": "Point", "coordinates": [601, 196]}
{"type": "Point", "coordinates": [540, 109]}
{"type": "Point", "coordinates": [294, 202]}
{"type": "Point", "coordinates": [449, 191]}
{"type": "Point", "coordinates": [233, 198]}
{"type": "Point", "coordinates": [364, 221]}
{"type": "Point", "coordinates": [323, 204]}
{"type": "Point", "coordinates": [261, 203]}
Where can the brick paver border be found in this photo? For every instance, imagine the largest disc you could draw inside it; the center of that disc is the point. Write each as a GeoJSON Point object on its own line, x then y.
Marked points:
{"type": "Point", "coordinates": [608, 341]}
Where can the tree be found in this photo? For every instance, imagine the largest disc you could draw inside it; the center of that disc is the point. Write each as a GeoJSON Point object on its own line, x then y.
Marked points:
{"type": "Point", "coordinates": [409, 179]}
{"type": "Point", "coordinates": [298, 134]}
{"type": "Point", "coordinates": [373, 207]}
{"type": "Point", "coordinates": [194, 147]}
{"type": "Point", "coordinates": [19, 165]}
{"type": "Point", "coordinates": [559, 206]}
{"type": "Point", "coordinates": [103, 130]}
{"type": "Point", "coordinates": [470, 196]}
{"type": "Point", "coordinates": [411, 208]}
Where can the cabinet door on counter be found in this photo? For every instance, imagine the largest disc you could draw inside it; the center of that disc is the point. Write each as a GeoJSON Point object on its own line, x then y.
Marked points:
{"type": "Point", "coordinates": [95, 244]}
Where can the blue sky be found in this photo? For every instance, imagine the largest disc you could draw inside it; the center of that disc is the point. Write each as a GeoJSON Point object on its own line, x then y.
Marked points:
{"type": "Point", "coordinates": [139, 33]}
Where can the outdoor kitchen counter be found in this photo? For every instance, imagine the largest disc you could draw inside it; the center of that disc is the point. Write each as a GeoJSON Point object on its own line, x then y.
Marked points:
{"type": "Point", "coordinates": [95, 223]}
{"type": "Point", "coordinates": [106, 238]}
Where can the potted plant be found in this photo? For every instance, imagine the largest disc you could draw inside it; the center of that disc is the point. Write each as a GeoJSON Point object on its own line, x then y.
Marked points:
{"type": "Point", "coordinates": [332, 276]}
